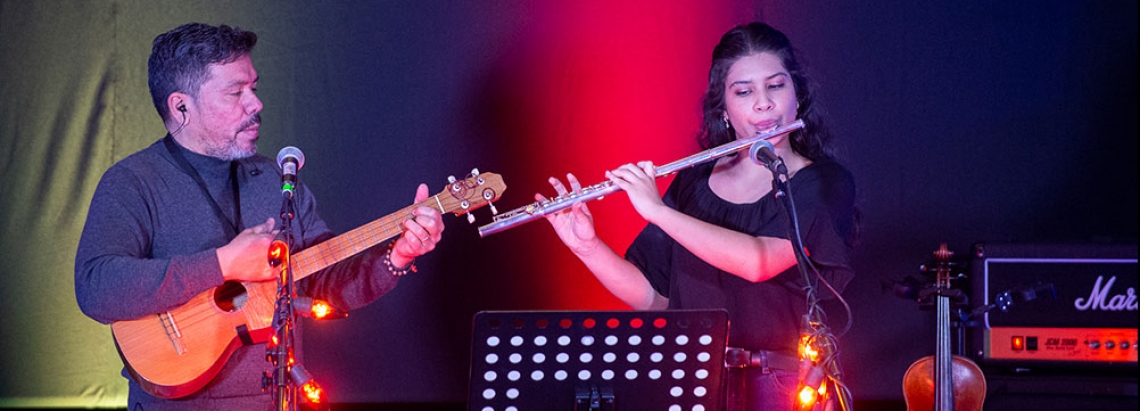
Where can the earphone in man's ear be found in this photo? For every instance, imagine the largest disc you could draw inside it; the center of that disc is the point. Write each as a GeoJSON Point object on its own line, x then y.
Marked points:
{"type": "Point", "coordinates": [182, 108]}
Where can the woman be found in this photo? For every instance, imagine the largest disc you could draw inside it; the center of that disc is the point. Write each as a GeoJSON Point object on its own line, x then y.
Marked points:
{"type": "Point", "coordinates": [719, 237]}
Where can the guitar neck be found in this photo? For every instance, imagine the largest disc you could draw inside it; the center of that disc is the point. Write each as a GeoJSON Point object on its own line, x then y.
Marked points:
{"type": "Point", "coordinates": [336, 249]}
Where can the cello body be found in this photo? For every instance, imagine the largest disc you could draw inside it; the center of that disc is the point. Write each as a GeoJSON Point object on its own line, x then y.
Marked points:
{"type": "Point", "coordinates": [944, 382]}
{"type": "Point", "coordinates": [969, 385]}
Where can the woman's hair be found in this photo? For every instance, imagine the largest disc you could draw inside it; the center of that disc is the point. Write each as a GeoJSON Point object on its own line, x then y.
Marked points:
{"type": "Point", "coordinates": [812, 141]}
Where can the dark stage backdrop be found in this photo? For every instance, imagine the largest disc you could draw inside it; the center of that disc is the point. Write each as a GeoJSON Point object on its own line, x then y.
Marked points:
{"type": "Point", "coordinates": [1010, 121]}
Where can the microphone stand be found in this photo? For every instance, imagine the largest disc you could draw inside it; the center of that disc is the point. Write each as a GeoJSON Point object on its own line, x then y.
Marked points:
{"type": "Point", "coordinates": [280, 351]}
{"type": "Point", "coordinates": [827, 368]}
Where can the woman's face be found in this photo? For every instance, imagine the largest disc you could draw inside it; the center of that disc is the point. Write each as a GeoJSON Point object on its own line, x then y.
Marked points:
{"type": "Point", "coordinates": [759, 96]}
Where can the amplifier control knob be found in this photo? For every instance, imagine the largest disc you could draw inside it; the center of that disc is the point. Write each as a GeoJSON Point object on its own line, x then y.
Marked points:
{"type": "Point", "coordinates": [1094, 344]}
{"type": "Point", "coordinates": [1108, 345]}
{"type": "Point", "coordinates": [1124, 345]}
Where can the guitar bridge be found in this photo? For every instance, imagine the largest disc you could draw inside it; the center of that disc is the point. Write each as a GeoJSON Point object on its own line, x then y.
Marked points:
{"type": "Point", "coordinates": [172, 332]}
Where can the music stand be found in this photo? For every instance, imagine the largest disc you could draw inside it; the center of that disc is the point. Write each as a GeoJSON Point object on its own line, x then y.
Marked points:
{"type": "Point", "coordinates": [597, 360]}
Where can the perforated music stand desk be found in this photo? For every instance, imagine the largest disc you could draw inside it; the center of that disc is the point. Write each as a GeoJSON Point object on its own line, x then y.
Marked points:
{"type": "Point", "coordinates": [610, 360]}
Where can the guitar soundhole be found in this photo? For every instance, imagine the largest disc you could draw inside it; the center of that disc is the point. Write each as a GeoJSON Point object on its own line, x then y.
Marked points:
{"type": "Point", "coordinates": [230, 296]}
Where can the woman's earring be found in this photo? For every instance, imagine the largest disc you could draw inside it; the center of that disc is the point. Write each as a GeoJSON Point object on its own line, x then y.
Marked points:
{"type": "Point", "coordinates": [727, 125]}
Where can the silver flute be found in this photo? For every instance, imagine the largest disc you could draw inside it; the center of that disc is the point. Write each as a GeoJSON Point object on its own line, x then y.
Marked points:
{"type": "Point", "coordinates": [535, 210]}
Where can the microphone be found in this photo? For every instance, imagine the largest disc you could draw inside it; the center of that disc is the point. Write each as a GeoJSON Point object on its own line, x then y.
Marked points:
{"type": "Point", "coordinates": [764, 153]}
{"type": "Point", "coordinates": [290, 159]}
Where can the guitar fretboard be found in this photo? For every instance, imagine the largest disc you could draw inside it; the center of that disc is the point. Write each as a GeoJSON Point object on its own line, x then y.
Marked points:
{"type": "Point", "coordinates": [336, 249]}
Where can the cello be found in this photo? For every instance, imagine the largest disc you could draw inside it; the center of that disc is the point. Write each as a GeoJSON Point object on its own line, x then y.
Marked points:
{"type": "Point", "coordinates": [943, 382]}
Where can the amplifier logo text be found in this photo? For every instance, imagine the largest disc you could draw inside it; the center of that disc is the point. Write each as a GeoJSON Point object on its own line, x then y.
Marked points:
{"type": "Point", "coordinates": [1101, 299]}
{"type": "Point", "coordinates": [1054, 342]}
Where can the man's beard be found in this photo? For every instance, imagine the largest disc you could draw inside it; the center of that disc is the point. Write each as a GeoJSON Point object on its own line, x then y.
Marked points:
{"type": "Point", "coordinates": [230, 150]}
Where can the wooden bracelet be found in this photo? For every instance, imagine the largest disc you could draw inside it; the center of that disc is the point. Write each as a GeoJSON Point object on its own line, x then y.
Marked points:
{"type": "Point", "coordinates": [399, 272]}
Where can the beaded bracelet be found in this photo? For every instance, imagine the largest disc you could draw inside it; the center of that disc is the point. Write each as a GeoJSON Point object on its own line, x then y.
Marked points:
{"type": "Point", "coordinates": [392, 268]}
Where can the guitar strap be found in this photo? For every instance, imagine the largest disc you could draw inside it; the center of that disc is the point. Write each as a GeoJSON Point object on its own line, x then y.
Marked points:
{"type": "Point", "coordinates": [232, 226]}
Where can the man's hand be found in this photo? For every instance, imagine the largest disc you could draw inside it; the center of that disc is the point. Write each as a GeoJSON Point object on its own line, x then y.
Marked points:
{"type": "Point", "coordinates": [421, 232]}
{"type": "Point", "coordinates": [245, 257]}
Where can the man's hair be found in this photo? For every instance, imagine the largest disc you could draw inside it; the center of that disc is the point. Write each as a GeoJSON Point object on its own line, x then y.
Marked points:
{"type": "Point", "coordinates": [180, 58]}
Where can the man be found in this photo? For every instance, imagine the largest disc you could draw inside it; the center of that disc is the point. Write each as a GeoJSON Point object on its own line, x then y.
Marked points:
{"type": "Point", "coordinates": [170, 222]}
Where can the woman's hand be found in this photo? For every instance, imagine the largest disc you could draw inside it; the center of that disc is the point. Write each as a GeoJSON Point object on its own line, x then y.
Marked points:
{"type": "Point", "coordinates": [640, 183]}
{"type": "Point", "coordinates": [574, 225]}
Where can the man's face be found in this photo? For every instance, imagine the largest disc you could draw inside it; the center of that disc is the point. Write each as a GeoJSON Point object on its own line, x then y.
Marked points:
{"type": "Point", "coordinates": [224, 118]}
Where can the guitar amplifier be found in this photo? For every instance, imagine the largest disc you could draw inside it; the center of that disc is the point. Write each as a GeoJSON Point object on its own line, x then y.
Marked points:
{"type": "Point", "coordinates": [1055, 306]}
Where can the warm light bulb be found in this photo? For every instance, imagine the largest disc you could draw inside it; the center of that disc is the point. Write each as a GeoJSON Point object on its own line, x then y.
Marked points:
{"type": "Point", "coordinates": [317, 309]}
{"type": "Point", "coordinates": [807, 397]}
{"type": "Point", "coordinates": [278, 253]}
{"type": "Point", "coordinates": [321, 309]}
{"type": "Point", "coordinates": [312, 397]}
{"type": "Point", "coordinates": [313, 393]}
{"type": "Point", "coordinates": [807, 350]}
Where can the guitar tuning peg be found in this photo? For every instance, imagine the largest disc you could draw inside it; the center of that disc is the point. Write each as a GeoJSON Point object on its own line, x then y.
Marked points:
{"type": "Point", "coordinates": [474, 172]}
{"type": "Point", "coordinates": [494, 211]}
{"type": "Point", "coordinates": [450, 179]}
{"type": "Point", "coordinates": [470, 218]}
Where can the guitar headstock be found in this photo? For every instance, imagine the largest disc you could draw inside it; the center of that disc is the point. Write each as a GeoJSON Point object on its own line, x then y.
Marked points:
{"type": "Point", "coordinates": [474, 191]}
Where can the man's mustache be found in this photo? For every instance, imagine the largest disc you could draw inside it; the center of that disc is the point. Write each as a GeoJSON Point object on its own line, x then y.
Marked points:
{"type": "Point", "coordinates": [253, 121]}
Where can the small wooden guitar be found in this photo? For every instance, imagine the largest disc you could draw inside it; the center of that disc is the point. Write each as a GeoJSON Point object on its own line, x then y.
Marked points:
{"type": "Point", "coordinates": [175, 353]}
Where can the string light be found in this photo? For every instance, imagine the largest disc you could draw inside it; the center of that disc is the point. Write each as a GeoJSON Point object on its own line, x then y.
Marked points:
{"type": "Point", "coordinates": [819, 368]}
{"type": "Point", "coordinates": [317, 309]}
{"type": "Point", "coordinates": [812, 387]}
{"type": "Point", "coordinates": [313, 396]}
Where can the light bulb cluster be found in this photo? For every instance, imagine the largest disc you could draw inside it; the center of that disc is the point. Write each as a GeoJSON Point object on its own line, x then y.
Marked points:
{"type": "Point", "coordinates": [812, 388]}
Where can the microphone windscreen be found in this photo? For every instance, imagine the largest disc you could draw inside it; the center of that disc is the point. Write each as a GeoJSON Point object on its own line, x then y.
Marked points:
{"type": "Point", "coordinates": [290, 152]}
{"type": "Point", "coordinates": [762, 152]}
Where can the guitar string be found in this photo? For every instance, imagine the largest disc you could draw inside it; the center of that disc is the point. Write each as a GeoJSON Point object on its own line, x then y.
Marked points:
{"type": "Point", "coordinates": [257, 304]}
{"type": "Point", "coordinates": [327, 254]}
